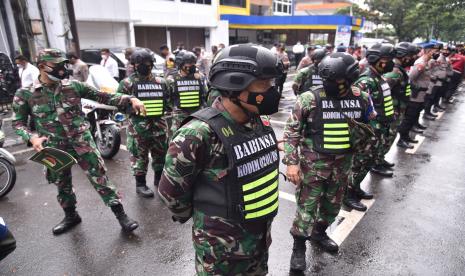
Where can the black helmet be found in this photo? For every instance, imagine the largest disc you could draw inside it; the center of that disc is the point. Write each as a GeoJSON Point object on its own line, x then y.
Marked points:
{"type": "Point", "coordinates": [184, 57]}
{"type": "Point", "coordinates": [319, 54]}
{"type": "Point", "coordinates": [141, 55]}
{"type": "Point", "coordinates": [339, 66]}
{"type": "Point", "coordinates": [380, 50]}
{"type": "Point", "coordinates": [235, 67]}
{"type": "Point", "coordinates": [402, 49]}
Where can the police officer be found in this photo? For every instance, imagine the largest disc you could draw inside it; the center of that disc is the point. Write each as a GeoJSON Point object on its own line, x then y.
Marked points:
{"type": "Point", "coordinates": [146, 134]}
{"type": "Point", "coordinates": [446, 67]}
{"type": "Point", "coordinates": [400, 87]}
{"type": "Point", "coordinates": [187, 88]}
{"type": "Point", "coordinates": [308, 76]}
{"type": "Point", "coordinates": [55, 106]}
{"type": "Point", "coordinates": [380, 60]}
{"type": "Point", "coordinates": [438, 77]}
{"type": "Point", "coordinates": [420, 83]}
{"type": "Point", "coordinates": [222, 166]}
{"type": "Point", "coordinates": [318, 147]}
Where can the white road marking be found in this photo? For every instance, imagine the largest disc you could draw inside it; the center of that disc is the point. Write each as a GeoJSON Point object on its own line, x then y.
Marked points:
{"type": "Point", "coordinates": [287, 196]}
{"type": "Point", "coordinates": [417, 145]}
{"type": "Point", "coordinates": [351, 219]}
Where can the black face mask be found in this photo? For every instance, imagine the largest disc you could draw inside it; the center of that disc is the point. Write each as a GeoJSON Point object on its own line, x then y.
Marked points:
{"type": "Point", "coordinates": [388, 66]}
{"type": "Point", "coordinates": [435, 55]}
{"type": "Point", "coordinates": [144, 69]}
{"type": "Point", "coordinates": [266, 102]}
{"type": "Point", "coordinates": [192, 70]}
{"type": "Point", "coordinates": [334, 90]}
{"type": "Point", "coordinates": [59, 72]}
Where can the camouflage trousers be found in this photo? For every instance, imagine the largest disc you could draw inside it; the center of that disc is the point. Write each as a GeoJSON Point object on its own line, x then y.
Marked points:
{"type": "Point", "coordinates": [228, 248]}
{"type": "Point", "coordinates": [90, 161]}
{"type": "Point", "coordinates": [320, 193]}
{"type": "Point", "coordinates": [144, 137]}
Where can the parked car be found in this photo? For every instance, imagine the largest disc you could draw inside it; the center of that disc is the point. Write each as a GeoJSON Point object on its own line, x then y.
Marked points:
{"type": "Point", "coordinates": [92, 57]}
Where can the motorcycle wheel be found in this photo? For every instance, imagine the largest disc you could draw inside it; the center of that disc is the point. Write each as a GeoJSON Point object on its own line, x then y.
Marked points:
{"type": "Point", "coordinates": [7, 177]}
{"type": "Point", "coordinates": [110, 142]}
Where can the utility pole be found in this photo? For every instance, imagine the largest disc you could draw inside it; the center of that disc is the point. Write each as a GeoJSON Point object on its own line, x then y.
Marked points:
{"type": "Point", "coordinates": [73, 27]}
{"type": "Point", "coordinates": [9, 35]}
{"type": "Point", "coordinates": [24, 29]}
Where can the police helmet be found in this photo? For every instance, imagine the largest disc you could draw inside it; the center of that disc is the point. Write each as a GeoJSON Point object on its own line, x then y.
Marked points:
{"type": "Point", "coordinates": [339, 66]}
{"type": "Point", "coordinates": [184, 57]}
{"type": "Point", "coordinates": [319, 54]}
{"type": "Point", "coordinates": [141, 55]}
{"type": "Point", "coordinates": [235, 67]}
{"type": "Point", "coordinates": [380, 50]}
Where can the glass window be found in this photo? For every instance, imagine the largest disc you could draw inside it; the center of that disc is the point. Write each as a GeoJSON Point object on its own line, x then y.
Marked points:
{"type": "Point", "coordinates": [205, 2]}
{"type": "Point", "coordinates": [282, 7]}
{"type": "Point", "coordinates": [234, 3]}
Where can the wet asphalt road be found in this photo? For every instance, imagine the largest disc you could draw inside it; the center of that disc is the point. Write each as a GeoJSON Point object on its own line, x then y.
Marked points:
{"type": "Point", "coordinates": [414, 227]}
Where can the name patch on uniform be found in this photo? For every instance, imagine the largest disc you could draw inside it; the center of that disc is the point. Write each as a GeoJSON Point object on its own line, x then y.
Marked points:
{"type": "Point", "coordinates": [257, 164]}
{"type": "Point", "coordinates": [149, 94]}
{"type": "Point", "coordinates": [253, 146]}
{"type": "Point", "coordinates": [148, 86]}
{"type": "Point", "coordinates": [344, 104]}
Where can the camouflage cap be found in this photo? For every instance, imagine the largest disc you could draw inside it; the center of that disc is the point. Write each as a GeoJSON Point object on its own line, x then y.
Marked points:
{"type": "Point", "coordinates": [52, 55]}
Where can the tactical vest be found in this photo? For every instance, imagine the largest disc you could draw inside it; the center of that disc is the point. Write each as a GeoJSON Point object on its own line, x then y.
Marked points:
{"type": "Point", "coordinates": [187, 93]}
{"type": "Point", "coordinates": [330, 129]}
{"type": "Point", "coordinates": [313, 80]}
{"type": "Point", "coordinates": [405, 84]}
{"type": "Point", "coordinates": [384, 105]}
{"type": "Point", "coordinates": [152, 95]}
{"type": "Point", "coordinates": [249, 191]}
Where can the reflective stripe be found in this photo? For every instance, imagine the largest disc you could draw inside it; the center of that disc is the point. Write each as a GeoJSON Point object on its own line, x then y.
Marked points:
{"type": "Point", "coordinates": [189, 93]}
{"type": "Point", "coordinates": [336, 132]}
{"type": "Point", "coordinates": [388, 98]}
{"type": "Point", "coordinates": [152, 101]}
{"type": "Point", "coordinates": [389, 113]}
{"type": "Point", "coordinates": [261, 192]}
{"type": "Point", "coordinates": [389, 108]}
{"type": "Point", "coordinates": [190, 105]}
{"type": "Point", "coordinates": [342, 146]}
{"type": "Point", "coordinates": [343, 125]}
{"type": "Point", "coordinates": [262, 203]}
{"type": "Point", "coordinates": [190, 101]}
{"type": "Point", "coordinates": [263, 212]}
{"type": "Point", "coordinates": [153, 104]}
{"type": "Point", "coordinates": [260, 181]}
{"type": "Point", "coordinates": [189, 97]}
{"type": "Point", "coordinates": [336, 139]}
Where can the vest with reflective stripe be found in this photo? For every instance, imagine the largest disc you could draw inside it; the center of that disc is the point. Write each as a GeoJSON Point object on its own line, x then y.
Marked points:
{"type": "Point", "coordinates": [405, 84]}
{"type": "Point", "coordinates": [329, 129]}
{"type": "Point", "coordinates": [187, 93]}
{"type": "Point", "coordinates": [313, 79]}
{"type": "Point", "coordinates": [384, 103]}
{"type": "Point", "coordinates": [153, 96]}
{"type": "Point", "coordinates": [249, 191]}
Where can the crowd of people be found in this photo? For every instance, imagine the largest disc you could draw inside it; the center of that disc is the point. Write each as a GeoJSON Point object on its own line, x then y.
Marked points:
{"type": "Point", "coordinates": [215, 156]}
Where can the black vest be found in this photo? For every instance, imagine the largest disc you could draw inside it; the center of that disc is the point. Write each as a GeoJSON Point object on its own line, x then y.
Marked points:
{"type": "Point", "coordinates": [330, 128]}
{"type": "Point", "coordinates": [383, 103]}
{"type": "Point", "coordinates": [249, 191]}
{"type": "Point", "coordinates": [187, 93]}
{"type": "Point", "coordinates": [313, 79]}
{"type": "Point", "coordinates": [153, 96]}
{"type": "Point", "coordinates": [405, 89]}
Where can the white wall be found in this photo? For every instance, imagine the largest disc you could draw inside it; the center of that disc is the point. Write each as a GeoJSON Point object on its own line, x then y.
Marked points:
{"type": "Point", "coordinates": [219, 34]}
{"type": "Point", "coordinates": [102, 10]}
{"type": "Point", "coordinates": [173, 13]}
{"type": "Point", "coordinates": [53, 20]}
{"type": "Point", "coordinates": [103, 34]}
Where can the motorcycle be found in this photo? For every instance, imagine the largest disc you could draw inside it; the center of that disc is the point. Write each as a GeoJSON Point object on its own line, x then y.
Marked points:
{"type": "Point", "coordinates": [103, 118]}
{"type": "Point", "coordinates": [7, 167]}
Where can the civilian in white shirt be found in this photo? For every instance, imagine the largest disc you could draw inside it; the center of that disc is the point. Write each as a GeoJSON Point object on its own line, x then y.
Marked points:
{"type": "Point", "coordinates": [298, 51]}
{"type": "Point", "coordinates": [109, 63]}
{"type": "Point", "coordinates": [27, 72]}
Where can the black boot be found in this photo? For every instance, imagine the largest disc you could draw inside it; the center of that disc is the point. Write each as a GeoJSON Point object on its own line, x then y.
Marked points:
{"type": "Point", "coordinates": [298, 261]}
{"type": "Point", "coordinates": [71, 219]}
{"type": "Point", "coordinates": [141, 187]}
{"type": "Point", "coordinates": [157, 178]}
{"type": "Point", "coordinates": [352, 201]}
{"type": "Point", "coordinates": [402, 143]}
{"type": "Point", "coordinates": [378, 169]}
{"type": "Point", "coordinates": [363, 195]}
{"type": "Point", "coordinates": [126, 223]}
{"type": "Point", "coordinates": [388, 164]}
{"type": "Point", "coordinates": [321, 238]}
{"type": "Point", "coordinates": [420, 126]}
{"type": "Point", "coordinates": [417, 130]}
{"type": "Point", "coordinates": [429, 116]}
{"type": "Point", "coordinates": [410, 140]}
{"type": "Point", "coordinates": [439, 108]}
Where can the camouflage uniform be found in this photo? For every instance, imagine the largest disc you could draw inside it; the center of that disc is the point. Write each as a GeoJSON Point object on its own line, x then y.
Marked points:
{"type": "Point", "coordinates": [303, 80]}
{"type": "Point", "coordinates": [180, 114]}
{"type": "Point", "coordinates": [324, 176]}
{"type": "Point", "coordinates": [56, 112]}
{"type": "Point", "coordinates": [222, 246]}
{"type": "Point", "coordinates": [146, 134]}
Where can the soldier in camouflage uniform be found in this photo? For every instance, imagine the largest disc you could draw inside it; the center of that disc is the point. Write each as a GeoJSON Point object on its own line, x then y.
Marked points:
{"type": "Point", "coordinates": [400, 86]}
{"type": "Point", "coordinates": [54, 104]}
{"type": "Point", "coordinates": [188, 90]}
{"type": "Point", "coordinates": [308, 76]}
{"type": "Point", "coordinates": [319, 143]}
{"type": "Point", "coordinates": [380, 59]}
{"type": "Point", "coordinates": [146, 134]}
{"type": "Point", "coordinates": [213, 173]}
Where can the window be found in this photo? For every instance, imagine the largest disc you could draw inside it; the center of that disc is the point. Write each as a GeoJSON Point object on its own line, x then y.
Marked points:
{"type": "Point", "coordinates": [282, 7]}
{"type": "Point", "coordinates": [234, 3]}
{"type": "Point", "coordinates": [204, 2]}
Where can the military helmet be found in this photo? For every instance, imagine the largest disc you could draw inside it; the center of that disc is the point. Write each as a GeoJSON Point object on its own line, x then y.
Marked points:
{"type": "Point", "coordinates": [141, 55]}
{"type": "Point", "coordinates": [319, 54]}
{"type": "Point", "coordinates": [184, 57]}
{"type": "Point", "coordinates": [51, 55]}
{"type": "Point", "coordinates": [235, 67]}
{"type": "Point", "coordinates": [402, 49]}
{"type": "Point", "coordinates": [339, 66]}
{"type": "Point", "coordinates": [380, 50]}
